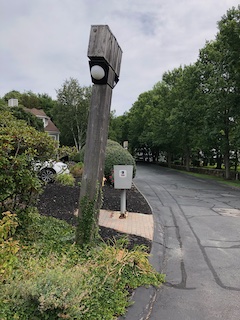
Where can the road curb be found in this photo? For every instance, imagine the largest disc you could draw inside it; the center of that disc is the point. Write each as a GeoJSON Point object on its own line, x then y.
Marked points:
{"type": "Point", "coordinates": [143, 298]}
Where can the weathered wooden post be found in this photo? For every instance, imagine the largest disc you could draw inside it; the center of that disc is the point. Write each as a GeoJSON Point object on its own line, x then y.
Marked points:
{"type": "Point", "coordinates": [105, 60]}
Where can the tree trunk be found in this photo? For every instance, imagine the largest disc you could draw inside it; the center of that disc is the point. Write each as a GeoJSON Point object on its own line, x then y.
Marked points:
{"type": "Point", "coordinates": [227, 153]}
{"type": "Point", "coordinates": [169, 159]}
{"type": "Point", "coordinates": [227, 166]}
{"type": "Point", "coordinates": [187, 159]}
{"type": "Point", "coordinates": [219, 161]}
{"type": "Point", "coordinates": [236, 161]}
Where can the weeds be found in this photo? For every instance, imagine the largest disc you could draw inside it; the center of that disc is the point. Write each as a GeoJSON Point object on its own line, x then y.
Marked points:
{"type": "Point", "coordinates": [65, 179]}
{"type": "Point", "coordinates": [55, 279]}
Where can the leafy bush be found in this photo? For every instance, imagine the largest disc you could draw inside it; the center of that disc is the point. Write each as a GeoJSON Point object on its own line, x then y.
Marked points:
{"type": "Point", "coordinates": [115, 155]}
{"type": "Point", "coordinates": [32, 120]}
{"type": "Point", "coordinates": [177, 162]}
{"type": "Point", "coordinates": [19, 145]}
{"type": "Point", "coordinates": [61, 281]}
{"type": "Point", "coordinates": [8, 246]}
{"type": "Point", "coordinates": [77, 170]}
{"type": "Point", "coordinates": [71, 152]}
{"type": "Point", "coordinates": [65, 179]}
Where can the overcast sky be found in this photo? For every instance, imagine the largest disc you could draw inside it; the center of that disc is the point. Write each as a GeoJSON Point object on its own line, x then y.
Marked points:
{"type": "Point", "coordinates": [44, 42]}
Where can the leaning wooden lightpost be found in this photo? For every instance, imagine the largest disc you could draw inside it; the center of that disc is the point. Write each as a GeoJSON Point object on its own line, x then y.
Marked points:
{"type": "Point", "coordinates": [105, 60]}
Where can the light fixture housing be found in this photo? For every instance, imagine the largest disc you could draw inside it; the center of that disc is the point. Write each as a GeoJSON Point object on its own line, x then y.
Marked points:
{"type": "Point", "coordinates": [99, 70]}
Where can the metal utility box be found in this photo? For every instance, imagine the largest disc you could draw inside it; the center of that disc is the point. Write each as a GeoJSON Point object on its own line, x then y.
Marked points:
{"type": "Point", "coordinates": [123, 176]}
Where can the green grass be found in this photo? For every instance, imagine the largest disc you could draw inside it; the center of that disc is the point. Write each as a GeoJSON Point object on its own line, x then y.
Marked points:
{"type": "Point", "coordinates": [234, 183]}
{"type": "Point", "coordinates": [54, 279]}
{"type": "Point", "coordinates": [214, 167]}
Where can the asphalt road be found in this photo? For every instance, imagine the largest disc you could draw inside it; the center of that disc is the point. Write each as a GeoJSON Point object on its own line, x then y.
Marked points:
{"type": "Point", "coordinates": [196, 244]}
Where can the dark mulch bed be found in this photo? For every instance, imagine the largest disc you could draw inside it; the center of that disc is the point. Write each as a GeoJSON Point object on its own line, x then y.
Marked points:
{"type": "Point", "coordinates": [62, 201]}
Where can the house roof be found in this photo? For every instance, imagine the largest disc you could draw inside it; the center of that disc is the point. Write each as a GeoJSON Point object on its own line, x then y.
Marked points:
{"type": "Point", "coordinates": [37, 112]}
{"type": "Point", "coordinates": [41, 114]}
{"type": "Point", "coordinates": [51, 127]}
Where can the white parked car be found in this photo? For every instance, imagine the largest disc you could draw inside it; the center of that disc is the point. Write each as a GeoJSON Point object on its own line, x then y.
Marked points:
{"type": "Point", "coordinates": [48, 169]}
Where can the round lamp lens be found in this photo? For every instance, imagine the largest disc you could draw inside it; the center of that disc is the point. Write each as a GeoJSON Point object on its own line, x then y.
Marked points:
{"type": "Point", "coordinates": [97, 72]}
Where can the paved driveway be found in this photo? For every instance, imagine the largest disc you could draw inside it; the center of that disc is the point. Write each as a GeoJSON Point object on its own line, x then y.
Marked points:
{"type": "Point", "coordinates": [196, 244]}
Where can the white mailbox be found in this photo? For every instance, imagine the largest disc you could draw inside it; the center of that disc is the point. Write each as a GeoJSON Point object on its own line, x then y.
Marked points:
{"type": "Point", "coordinates": [123, 176]}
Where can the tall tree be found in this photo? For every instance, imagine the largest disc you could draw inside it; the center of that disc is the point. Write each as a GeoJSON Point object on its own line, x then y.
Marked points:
{"type": "Point", "coordinates": [46, 103]}
{"type": "Point", "coordinates": [29, 100]}
{"type": "Point", "coordinates": [2, 102]}
{"type": "Point", "coordinates": [162, 135]}
{"type": "Point", "coordinates": [219, 62]}
{"type": "Point", "coordinates": [140, 118]}
{"type": "Point", "coordinates": [12, 95]}
{"type": "Point", "coordinates": [177, 123]}
{"type": "Point", "coordinates": [71, 112]}
{"type": "Point", "coordinates": [118, 128]}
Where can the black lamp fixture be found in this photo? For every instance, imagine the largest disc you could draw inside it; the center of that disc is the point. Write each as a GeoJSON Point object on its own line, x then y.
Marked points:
{"type": "Point", "coordinates": [105, 56]}
{"type": "Point", "coordinates": [99, 70]}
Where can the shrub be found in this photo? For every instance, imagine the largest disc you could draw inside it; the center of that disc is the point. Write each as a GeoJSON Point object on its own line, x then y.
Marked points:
{"type": "Point", "coordinates": [8, 246]}
{"type": "Point", "coordinates": [93, 286]}
{"type": "Point", "coordinates": [77, 170]}
{"type": "Point", "coordinates": [71, 152]}
{"type": "Point", "coordinates": [19, 145]}
{"type": "Point", "coordinates": [115, 155]}
{"type": "Point", "coordinates": [177, 162]}
{"type": "Point", "coordinates": [78, 157]}
{"type": "Point", "coordinates": [65, 179]}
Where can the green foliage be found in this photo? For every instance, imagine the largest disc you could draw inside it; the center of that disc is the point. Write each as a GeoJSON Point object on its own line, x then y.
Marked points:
{"type": "Point", "coordinates": [47, 235]}
{"type": "Point", "coordinates": [46, 103]}
{"type": "Point", "coordinates": [30, 119]}
{"type": "Point", "coordinates": [115, 155]}
{"type": "Point", "coordinates": [2, 103]}
{"type": "Point", "coordinates": [118, 128]}
{"type": "Point", "coordinates": [71, 152]}
{"type": "Point", "coordinates": [87, 228]}
{"type": "Point", "coordinates": [72, 104]}
{"type": "Point", "coordinates": [29, 100]}
{"type": "Point", "coordinates": [32, 100]}
{"type": "Point", "coordinates": [65, 179]}
{"type": "Point", "coordinates": [63, 282]}
{"type": "Point", "coordinates": [19, 145]}
{"type": "Point", "coordinates": [8, 246]}
{"type": "Point", "coordinates": [140, 122]}
{"type": "Point", "coordinates": [219, 61]}
{"type": "Point", "coordinates": [12, 94]}
{"type": "Point", "coordinates": [77, 169]}
{"type": "Point", "coordinates": [194, 108]}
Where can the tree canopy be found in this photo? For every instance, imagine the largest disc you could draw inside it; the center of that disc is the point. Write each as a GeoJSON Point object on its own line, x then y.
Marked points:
{"type": "Point", "coordinates": [71, 113]}
{"type": "Point", "coordinates": [191, 113]}
{"type": "Point", "coordinates": [194, 110]}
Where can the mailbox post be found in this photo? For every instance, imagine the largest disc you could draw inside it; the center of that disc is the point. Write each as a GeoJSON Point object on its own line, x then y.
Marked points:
{"type": "Point", "coordinates": [123, 180]}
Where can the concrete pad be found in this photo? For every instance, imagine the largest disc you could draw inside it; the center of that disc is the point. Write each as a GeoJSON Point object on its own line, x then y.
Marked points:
{"type": "Point", "coordinates": [135, 223]}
